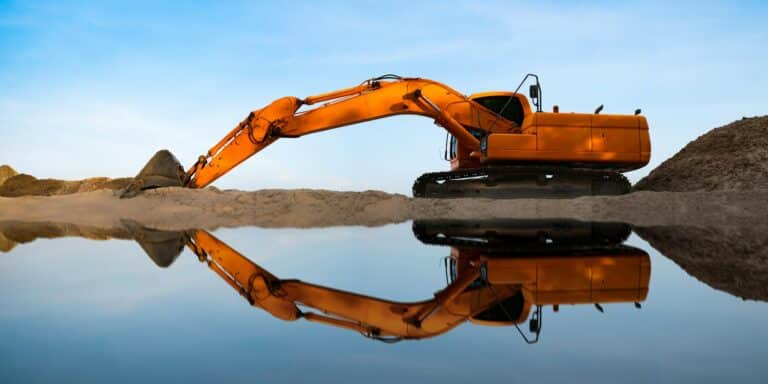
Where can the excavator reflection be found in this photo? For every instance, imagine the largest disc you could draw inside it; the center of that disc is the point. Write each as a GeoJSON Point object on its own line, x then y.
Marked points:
{"type": "Point", "coordinates": [499, 273]}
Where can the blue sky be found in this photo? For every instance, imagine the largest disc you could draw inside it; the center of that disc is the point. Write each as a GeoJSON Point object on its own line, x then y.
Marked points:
{"type": "Point", "coordinates": [94, 88]}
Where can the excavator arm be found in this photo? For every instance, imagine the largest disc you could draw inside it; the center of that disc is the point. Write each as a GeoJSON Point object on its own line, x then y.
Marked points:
{"type": "Point", "coordinates": [373, 99]}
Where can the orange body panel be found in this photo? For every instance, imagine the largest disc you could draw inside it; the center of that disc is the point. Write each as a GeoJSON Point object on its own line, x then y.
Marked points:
{"type": "Point", "coordinates": [618, 141]}
{"type": "Point", "coordinates": [576, 280]}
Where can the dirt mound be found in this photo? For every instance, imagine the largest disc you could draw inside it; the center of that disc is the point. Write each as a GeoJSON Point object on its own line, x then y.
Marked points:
{"type": "Point", "coordinates": [6, 172]}
{"type": "Point", "coordinates": [731, 157]}
{"type": "Point", "coordinates": [181, 208]}
{"type": "Point", "coordinates": [27, 185]}
{"type": "Point", "coordinates": [730, 259]}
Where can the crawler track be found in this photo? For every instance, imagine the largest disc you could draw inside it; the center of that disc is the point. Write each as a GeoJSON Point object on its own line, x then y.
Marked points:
{"type": "Point", "coordinates": [511, 182]}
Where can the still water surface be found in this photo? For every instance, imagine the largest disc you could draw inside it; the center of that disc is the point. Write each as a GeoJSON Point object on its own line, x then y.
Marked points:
{"type": "Point", "coordinates": [79, 310]}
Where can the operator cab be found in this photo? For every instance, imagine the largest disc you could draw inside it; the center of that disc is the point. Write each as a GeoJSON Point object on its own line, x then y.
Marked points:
{"type": "Point", "coordinates": [512, 106]}
{"type": "Point", "coordinates": [509, 105]}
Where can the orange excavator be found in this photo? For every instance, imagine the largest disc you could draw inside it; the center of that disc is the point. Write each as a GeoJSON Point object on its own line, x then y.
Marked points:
{"type": "Point", "coordinates": [497, 145]}
{"type": "Point", "coordinates": [499, 273]}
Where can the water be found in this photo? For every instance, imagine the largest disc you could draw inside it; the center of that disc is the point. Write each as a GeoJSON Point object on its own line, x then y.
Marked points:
{"type": "Point", "coordinates": [79, 310]}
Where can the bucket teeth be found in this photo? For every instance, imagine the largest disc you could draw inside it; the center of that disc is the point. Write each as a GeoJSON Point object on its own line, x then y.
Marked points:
{"type": "Point", "coordinates": [162, 170]}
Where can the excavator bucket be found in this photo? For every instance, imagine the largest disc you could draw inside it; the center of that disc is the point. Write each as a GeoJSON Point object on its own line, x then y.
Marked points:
{"type": "Point", "coordinates": [162, 170]}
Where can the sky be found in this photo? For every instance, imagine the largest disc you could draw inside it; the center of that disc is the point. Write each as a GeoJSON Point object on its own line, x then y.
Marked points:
{"type": "Point", "coordinates": [95, 88]}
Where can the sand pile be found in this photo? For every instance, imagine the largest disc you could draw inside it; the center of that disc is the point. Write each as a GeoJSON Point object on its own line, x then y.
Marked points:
{"type": "Point", "coordinates": [6, 172]}
{"type": "Point", "coordinates": [14, 185]}
{"type": "Point", "coordinates": [181, 208]}
{"type": "Point", "coordinates": [732, 157]}
{"type": "Point", "coordinates": [733, 259]}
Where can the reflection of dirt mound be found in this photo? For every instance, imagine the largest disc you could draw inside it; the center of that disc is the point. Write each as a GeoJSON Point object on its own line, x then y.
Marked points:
{"type": "Point", "coordinates": [13, 233]}
{"type": "Point", "coordinates": [6, 244]}
{"type": "Point", "coordinates": [732, 157]}
{"type": "Point", "coordinates": [19, 232]}
{"type": "Point", "coordinates": [730, 259]}
{"type": "Point", "coordinates": [161, 246]}
{"type": "Point", "coordinates": [26, 185]}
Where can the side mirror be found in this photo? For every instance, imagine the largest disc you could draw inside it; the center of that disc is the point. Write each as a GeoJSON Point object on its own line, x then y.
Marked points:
{"type": "Point", "coordinates": [533, 91]}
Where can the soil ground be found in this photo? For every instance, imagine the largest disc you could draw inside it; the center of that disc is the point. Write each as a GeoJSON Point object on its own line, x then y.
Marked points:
{"type": "Point", "coordinates": [180, 208]}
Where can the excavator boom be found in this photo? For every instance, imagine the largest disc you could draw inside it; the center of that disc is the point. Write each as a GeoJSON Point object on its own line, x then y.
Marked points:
{"type": "Point", "coordinates": [374, 99]}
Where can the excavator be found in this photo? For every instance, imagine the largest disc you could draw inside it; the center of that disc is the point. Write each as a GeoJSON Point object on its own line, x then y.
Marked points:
{"type": "Point", "coordinates": [499, 273]}
{"type": "Point", "coordinates": [497, 145]}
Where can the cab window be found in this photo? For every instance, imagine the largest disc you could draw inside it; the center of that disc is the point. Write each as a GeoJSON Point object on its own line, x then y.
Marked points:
{"type": "Point", "coordinates": [452, 148]}
{"type": "Point", "coordinates": [512, 112]}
